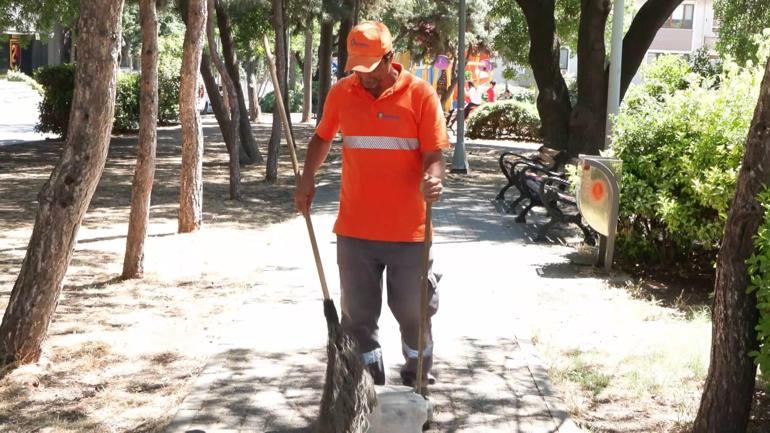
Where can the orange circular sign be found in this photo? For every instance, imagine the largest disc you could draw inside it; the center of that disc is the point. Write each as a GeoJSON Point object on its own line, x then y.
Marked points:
{"type": "Point", "coordinates": [597, 190]}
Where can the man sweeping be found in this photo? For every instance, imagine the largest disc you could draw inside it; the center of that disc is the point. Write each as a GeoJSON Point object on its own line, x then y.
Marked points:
{"type": "Point", "coordinates": [393, 131]}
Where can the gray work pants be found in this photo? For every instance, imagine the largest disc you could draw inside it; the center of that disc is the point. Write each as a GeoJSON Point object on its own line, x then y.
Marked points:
{"type": "Point", "coordinates": [361, 265]}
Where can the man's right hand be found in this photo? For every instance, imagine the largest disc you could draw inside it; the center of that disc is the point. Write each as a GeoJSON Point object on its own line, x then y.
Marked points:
{"type": "Point", "coordinates": [303, 195]}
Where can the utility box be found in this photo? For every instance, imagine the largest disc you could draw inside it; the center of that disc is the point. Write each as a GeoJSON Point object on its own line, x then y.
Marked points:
{"type": "Point", "coordinates": [598, 198]}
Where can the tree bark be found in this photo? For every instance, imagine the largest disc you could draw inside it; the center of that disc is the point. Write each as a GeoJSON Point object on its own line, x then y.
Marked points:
{"type": "Point", "coordinates": [581, 130]}
{"type": "Point", "coordinates": [232, 120]}
{"type": "Point", "coordinates": [217, 101]}
{"type": "Point", "coordinates": [726, 401]}
{"type": "Point", "coordinates": [324, 63]}
{"type": "Point", "coordinates": [307, 73]}
{"type": "Point", "coordinates": [191, 180]}
{"type": "Point", "coordinates": [231, 62]}
{"type": "Point", "coordinates": [346, 24]}
{"type": "Point", "coordinates": [144, 173]}
{"type": "Point", "coordinates": [588, 120]}
{"type": "Point", "coordinates": [292, 75]}
{"type": "Point", "coordinates": [640, 35]}
{"type": "Point", "coordinates": [252, 89]}
{"type": "Point", "coordinates": [271, 174]}
{"type": "Point", "coordinates": [66, 195]}
{"type": "Point", "coordinates": [553, 102]}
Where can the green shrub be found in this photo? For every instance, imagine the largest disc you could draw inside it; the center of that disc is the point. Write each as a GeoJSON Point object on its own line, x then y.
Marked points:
{"type": "Point", "coordinates": [127, 103]}
{"type": "Point", "coordinates": [681, 152]}
{"type": "Point", "coordinates": [295, 102]}
{"type": "Point", "coordinates": [759, 283]}
{"type": "Point", "coordinates": [58, 83]}
{"type": "Point", "coordinates": [516, 93]}
{"type": "Point", "coordinates": [24, 78]}
{"type": "Point", "coordinates": [507, 119]}
{"type": "Point", "coordinates": [168, 96]}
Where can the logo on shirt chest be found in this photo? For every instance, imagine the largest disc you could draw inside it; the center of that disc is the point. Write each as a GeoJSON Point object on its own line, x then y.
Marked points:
{"type": "Point", "coordinates": [386, 116]}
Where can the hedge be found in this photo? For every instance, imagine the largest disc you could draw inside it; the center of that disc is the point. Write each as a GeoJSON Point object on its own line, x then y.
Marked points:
{"type": "Point", "coordinates": [508, 119]}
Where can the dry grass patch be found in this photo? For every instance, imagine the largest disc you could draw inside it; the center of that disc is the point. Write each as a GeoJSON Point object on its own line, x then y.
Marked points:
{"type": "Point", "coordinates": [121, 355]}
{"type": "Point", "coordinates": [623, 364]}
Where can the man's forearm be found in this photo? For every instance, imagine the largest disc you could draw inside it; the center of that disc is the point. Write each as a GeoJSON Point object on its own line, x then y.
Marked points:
{"type": "Point", "coordinates": [433, 164]}
{"type": "Point", "coordinates": [317, 150]}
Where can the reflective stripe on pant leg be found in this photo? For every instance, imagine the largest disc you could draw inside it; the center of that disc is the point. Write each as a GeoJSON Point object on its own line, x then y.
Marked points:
{"type": "Point", "coordinates": [372, 356]}
{"type": "Point", "coordinates": [404, 277]}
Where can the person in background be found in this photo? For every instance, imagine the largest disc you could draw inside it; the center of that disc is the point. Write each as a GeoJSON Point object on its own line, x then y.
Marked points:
{"type": "Point", "coordinates": [491, 92]}
{"type": "Point", "coordinates": [474, 98]}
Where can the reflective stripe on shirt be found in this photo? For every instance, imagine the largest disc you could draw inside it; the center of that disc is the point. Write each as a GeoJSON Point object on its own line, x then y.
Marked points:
{"type": "Point", "coordinates": [386, 143]}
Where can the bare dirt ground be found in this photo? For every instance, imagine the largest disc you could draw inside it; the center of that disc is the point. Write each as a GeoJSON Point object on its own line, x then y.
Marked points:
{"type": "Point", "coordinates": [121, 356]}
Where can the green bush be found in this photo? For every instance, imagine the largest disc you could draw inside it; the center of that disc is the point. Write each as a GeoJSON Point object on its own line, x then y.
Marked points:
{"type": "Point", "coordinates": [516, 93]}
{"type": "Point", "coordinates": [24, 78]}
{"type": "Point", "coordinates": [681, 149]}
{"type": "Point", "coordinates": [168, 96]}
{"type": "Point", "coordinates": [57, 82]}
{"type": "Point", "coordinates": [267, 102]}
{"type": "Point", "coordinates": [508, 119]}
{"type": "Point", "coordinates": [127, 103]}
{"type": "Point", "coordinates": [759, 283]}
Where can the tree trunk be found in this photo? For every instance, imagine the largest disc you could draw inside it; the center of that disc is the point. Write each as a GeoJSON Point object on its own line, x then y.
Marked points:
{"type": "Point", "coordinates": [271, 174]}
{"type": "Point", "coordinates": [232, 121]}
{"type": "Point", "coordinates": [588, 120]}
{"type": "Point", "coordinates": [307, 72]}
{"type": "Point", "coordinates": [448, 75]}
{"type": "Point", "coordinates": [191, 181]}
{"type": "Point", "coordinates": [292, 75]}
{"type": "Point", "coordinates": [231, 62]}
{"type": "Point", "coordinates": [582, 130]}
{"type": "Point", "coordinates": [553, 102]}
{"type": "Point", "coordinates": [217, 101]}
{"type": "Point", "coordinates": [144, 174]}
{"type": "Point", "coordinates": [346, 24]}
{"type": "Point", "coordinates": [726, 402]}
{"type": "Point", "coordinates": [324, 64]}
{"type": "Point", "coordinates": [65, 197]}
{"type": "Point", "coordinates": [650, 17]}
{"type": "Point", "coordinates": [251, 87]}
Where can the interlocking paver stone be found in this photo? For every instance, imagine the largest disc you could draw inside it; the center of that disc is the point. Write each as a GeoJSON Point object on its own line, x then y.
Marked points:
{"type": "Point", "coordinates": [490, 377]}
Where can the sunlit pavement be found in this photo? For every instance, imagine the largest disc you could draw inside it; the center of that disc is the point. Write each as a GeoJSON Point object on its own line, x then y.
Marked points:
{"type": "Point", "coordinates": [18, 113]}
{"type": "Point", "coordinates": [269, 368]}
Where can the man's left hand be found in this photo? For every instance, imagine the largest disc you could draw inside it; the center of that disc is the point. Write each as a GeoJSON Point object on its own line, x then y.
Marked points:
{"type": "Point", "coordinates": [431, 188]}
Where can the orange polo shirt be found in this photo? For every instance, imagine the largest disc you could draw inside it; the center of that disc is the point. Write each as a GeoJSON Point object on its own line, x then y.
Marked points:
{"type": "Point", "coordinates": [382, 143]}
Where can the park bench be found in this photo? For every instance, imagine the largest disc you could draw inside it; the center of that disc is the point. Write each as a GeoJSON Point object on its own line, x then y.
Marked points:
{"type": "Point", "coordinates": [540, 181]}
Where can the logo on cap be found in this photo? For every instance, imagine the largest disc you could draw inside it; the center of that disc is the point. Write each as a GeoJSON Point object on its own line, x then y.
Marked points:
{"type": "Point", "coordinates": [354, 43]}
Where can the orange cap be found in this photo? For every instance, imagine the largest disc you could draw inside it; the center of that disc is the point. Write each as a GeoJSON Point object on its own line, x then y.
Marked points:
{"type": "Point", "coordinates": [368, 42]}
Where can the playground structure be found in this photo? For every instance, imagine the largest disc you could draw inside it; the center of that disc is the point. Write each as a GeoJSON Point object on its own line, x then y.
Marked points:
{"type": "Point", "coordinates": [479, 69]}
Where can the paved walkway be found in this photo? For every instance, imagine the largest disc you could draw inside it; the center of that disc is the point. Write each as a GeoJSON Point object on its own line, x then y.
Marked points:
{"type": "Point", "coordinates": [18, 113]}
{"type": "Point", "coordinates": [269, 370]}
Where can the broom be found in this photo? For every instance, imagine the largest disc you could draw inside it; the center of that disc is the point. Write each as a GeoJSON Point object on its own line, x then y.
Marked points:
{"type": "Point", "coordinates": [348, 394]}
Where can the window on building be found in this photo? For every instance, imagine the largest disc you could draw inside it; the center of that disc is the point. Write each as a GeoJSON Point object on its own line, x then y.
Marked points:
{"type": "Point", "coordinates": [682, 18]}
{"type": "Point", "coordinates": [564, 58]}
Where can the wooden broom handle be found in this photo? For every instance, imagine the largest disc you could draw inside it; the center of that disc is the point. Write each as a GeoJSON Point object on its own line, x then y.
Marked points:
{"type": "Point", "coordinates": [294, 163]}
{"type": "Point", "coordinates": [419, 386]}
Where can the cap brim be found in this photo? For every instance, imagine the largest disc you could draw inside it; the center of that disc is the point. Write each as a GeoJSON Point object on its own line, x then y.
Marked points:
{"type": "Point", "coordinates": [362, 63]}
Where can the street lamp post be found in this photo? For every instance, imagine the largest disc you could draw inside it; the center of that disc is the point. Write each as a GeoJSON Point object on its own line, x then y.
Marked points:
{"type": "Point", "coordinates": [613, 88]}
{"type": "Point", "coordinates": [459, 162]}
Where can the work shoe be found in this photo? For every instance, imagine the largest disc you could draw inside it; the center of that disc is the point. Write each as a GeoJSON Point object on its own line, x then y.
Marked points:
{"type": "Point", "coordinates": [377, 371]}
{"type": "Point", "coordinates": [408, 378]}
